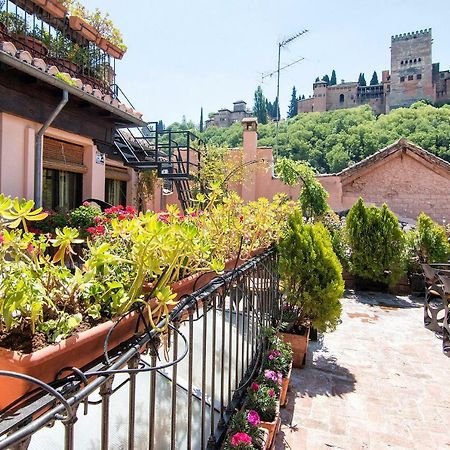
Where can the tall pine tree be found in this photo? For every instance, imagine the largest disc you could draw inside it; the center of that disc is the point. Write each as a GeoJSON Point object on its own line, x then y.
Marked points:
{"type": "Point", "coordinates": [201, 120]}
{"type": "Point", "coordinates": [362, 80]}
{"type": "Point", "coordinates": [293, 106]}
{"type": "Point", "coordinates": [317, 80]}
{"type": "Point", "coordinates": [326, 78]}
{"type": "Point", "coordinates": [333, 78]}
{"type": "Point", "coordinates": [276, 110]}
{"type": "Point", "coordinates": [374, 79]}
{"type": "Point", "coordinates": [259, 106]}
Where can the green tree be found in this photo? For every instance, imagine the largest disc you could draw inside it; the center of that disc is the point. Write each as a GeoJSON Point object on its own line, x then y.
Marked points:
{"type": "Point", "coordinates": [276, 110]}
{"type": "Point", "coordinates": [333, 78]}
{"type": "Point", "coordinates": [317, 80]}
{"type": "Point", "coordinates": [293, 106]}
{"type": "Point", "coordinates": [201, 120]}
{"type": "Point", "coordinates": [362, 80]}
{"type": "Point", "coordinates": [160, 125]}
{"type": "Point", "coordinates": [374, 79]}
{"type": "Point", "coordinates": [326, 78]}
{"type": "Point", "coordinates": [259, 107]}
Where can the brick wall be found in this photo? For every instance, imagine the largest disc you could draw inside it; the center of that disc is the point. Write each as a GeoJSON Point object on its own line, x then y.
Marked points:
{"type": "Point", "coordinates": [407, 183]}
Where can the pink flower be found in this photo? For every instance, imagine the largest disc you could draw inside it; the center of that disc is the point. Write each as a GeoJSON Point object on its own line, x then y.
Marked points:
{"type": "Point", "coordinates": [255, 387]}
{"type": "Point", "coordinates": [240, 438]}
{"type": "Point", "coordinates": [97, 219]}
{"type": "Point", "coordinates": [90, 230]}
{"type": "Point", "coordinates": [30, 248]}
{"type": "Point", "coordinates": [85, 203]}
{"type": "Point", "coordinates": [253, 418]}
{"type": "Point", "coordinates": [2, 239]}
{"type": "Point", "coordinates": [271, 393]}
{"type": "Point", "coordinates": [100, 229]}
{"type": "Point", "coordinates": [271, 356]}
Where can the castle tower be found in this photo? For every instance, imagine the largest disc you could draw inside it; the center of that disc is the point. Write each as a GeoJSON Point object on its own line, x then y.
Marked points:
{"type": "Point", "coordinates": [320, 96]}
{"type": "Point", "coordinates": [411, 69]}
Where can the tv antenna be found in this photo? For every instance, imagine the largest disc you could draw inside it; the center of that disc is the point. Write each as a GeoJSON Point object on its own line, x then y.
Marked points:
{"type": "Point", "coordinates": [270, 74]}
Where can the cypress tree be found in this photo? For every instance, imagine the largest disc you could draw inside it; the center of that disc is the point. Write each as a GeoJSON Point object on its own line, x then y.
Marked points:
{"type": "Point", "coordinates": [374, 79]}
{"type": "Point", "coordinates": [201, 120]}
{"type": "Point", "coordinates": [326, 78]}
{"type": "Point", "coordinates": [333, 78]}
{"type": "Point", "coordinates": [293, 106]}
{"type": "Point", "coordinates": [317, 80]}
{"type": "Point", "coordinates": [362, 80]}
{"type": "Point", "coordinates": [259, 106]}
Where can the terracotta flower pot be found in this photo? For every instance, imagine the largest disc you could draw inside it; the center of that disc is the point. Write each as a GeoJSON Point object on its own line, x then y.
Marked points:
{"type": "Point", "coordinates": [113, 50]}
{"type": "Point", "coordinates": [30, 44]}
{"type": "Point", "coordinates": [299, 344]}
{"type": "Point", "coordinates": [75, 351]}
{"type": "Point", "coordinates": [82, 27]}
{"type": "Point", "coordinates": [272, 427]}
{"type": "Point", "coordinates": [285, 386]}
{"type": "Point", "coordinates": [265, 439]}
{"type": "Point", "coordinates": [53, 7]}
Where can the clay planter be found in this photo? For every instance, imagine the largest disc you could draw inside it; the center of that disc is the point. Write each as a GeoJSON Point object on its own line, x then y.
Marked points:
{"type": "Point", "coordinates": [82, 27]}
{"type": "Point", "coordinates": [272, 427]}
{"type": "Point", "coordinates": [53, 7]}
{"type": "Point", "coordinates": [30, 44]}
{"type": "Point", "coordinates": [75, 351]}
{"type": "Point", "coordinates": [285, 386]}
{"type": "Point", "coordinates": [265, 445]}
{"type": "Point", "coordinates": [299, 344]}
{"type": "Point", "coordinates": [113, 50]}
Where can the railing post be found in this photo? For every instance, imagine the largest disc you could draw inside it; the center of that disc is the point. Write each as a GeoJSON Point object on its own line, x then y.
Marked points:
{"type": "Point", "coordinates": [132, 364]}
{"type": "Point", "coordinates": [105, 393]}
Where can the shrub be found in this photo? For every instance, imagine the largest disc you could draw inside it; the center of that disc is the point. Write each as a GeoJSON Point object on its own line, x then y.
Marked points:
{"type": "Point", "coordinates": [243, 431]}
{"type": "Point", "coordinates": [430, 240]}
{"type": "Point", "coordinates": [83, 217]}
{"type": "Point", "coordinates": [310, 274]}
{"type": "Point", "coordinates": [262, 399]}
{"type": "Point", "coordinates": [377, 243]}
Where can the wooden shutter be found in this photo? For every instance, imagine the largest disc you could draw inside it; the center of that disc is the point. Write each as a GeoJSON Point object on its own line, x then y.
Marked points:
{"type": "Point", "coordinates": [116, 173]}
{"type": "Point", "coordinates": [62, 155]}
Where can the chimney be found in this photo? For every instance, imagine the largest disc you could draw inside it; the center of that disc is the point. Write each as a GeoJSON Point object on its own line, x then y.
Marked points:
{"type": "Point", "coordinates": [250, 143]}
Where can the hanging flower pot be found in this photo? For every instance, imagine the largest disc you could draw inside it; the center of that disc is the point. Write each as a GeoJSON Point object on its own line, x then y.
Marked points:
{"type": "Point", "coordinates": [53, 7]}
{"type": "Point", "coordinates": [82, 27]}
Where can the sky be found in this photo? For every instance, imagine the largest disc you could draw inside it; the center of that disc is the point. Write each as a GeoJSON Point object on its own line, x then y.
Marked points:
{"type": "Point", "coordinates": [184, 55]}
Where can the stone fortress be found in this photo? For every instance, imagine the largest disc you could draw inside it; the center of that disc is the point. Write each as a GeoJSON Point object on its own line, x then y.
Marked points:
{"type": "Point", "coordinates": [413, 76]}
{"type": "Point", "coordinates": [224, 117]}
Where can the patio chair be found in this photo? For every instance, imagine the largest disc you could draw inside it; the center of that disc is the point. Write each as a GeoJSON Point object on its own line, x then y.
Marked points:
{"type": "Point", "coordinates": [434, 303]}
{"type": "Point", "coordinates": [446, 322]}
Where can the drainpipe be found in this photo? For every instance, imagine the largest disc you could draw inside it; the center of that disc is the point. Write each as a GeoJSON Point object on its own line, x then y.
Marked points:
{"type": "Point", "coordinates": [38, 151]}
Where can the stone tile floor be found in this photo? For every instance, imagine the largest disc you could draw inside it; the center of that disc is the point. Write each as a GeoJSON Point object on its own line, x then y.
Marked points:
{"type": "Point", "coordinates": [380, 381]}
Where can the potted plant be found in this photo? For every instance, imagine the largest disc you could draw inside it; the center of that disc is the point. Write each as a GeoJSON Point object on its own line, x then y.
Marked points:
{"type": "Point", "coordinates": [311, 283]}
{"type": "Point", "coordinates": [54, 7]}
{"type": "Point", "coordinates": [244, 433]}
{"type": "Point", "coordinates": [264, 400]}
{"type": "Point", "coordinates": [377, 246]}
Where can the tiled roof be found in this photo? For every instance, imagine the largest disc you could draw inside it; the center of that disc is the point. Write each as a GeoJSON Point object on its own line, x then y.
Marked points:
{"type": "Point", "coordinates": [9, 53]}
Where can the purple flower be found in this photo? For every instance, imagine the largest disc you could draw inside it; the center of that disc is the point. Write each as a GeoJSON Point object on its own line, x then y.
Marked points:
{"type": "Point", "coordinates": [253, 418]}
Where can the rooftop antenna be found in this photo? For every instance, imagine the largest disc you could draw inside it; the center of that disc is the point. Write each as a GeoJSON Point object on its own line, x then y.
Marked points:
{"type": "Point", "coordinates": [270, 74]}
{"type": "Point", "coordinates": [281, 45]}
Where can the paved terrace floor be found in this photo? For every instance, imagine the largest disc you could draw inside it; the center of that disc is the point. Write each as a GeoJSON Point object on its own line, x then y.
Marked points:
{"type": "Point", "coordinates": [380, 381]}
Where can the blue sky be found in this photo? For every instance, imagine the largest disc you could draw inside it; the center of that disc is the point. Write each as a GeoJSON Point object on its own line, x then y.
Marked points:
{"type": "Point", "coordinates": [183, 55]}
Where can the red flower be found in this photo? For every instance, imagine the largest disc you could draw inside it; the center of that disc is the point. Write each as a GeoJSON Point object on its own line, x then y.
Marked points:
{"type": "Point", "coordinates": [30, 248]}
{"type": "Point", "coordinates": [240, 438]}
{"type": "Point", "coordinates": [97, 219]}
{"type": "Point", "coordinates": [271, 393]}
{"type": "Point", "coordinates": [130, 210]}
{"type": "Point", "coordinates": [100, 229]}
{"type": "Point", "coordinates": [255, 387]}
{"type": "Point", "coordinates": [122, 216]}
{"type": "Point", "coordinates": [90, 230]}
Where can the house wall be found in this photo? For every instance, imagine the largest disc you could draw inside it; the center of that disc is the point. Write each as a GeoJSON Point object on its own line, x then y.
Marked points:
{"type": "Point", "coordinates": [17, 144]}
{"type": "Point", "coordinates": [406, 183]}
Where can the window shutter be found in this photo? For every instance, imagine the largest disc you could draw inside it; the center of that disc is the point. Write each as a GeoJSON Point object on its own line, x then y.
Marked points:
{"type": "Point", "coordinates": [61, 155]}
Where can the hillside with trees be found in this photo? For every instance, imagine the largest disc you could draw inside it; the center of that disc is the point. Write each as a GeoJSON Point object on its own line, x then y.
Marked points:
{"type": "Point", "coordinates": [333, 140]}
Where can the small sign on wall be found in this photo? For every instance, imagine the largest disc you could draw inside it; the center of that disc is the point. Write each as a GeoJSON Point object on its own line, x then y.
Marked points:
{"type": "Point", "coordinates": [100, 158]}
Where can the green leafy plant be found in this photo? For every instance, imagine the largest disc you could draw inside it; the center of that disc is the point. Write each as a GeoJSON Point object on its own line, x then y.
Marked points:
{"type": "Point", "coordinates": [262, 399]}
{"type": "Point", "coordinates": [310, 275]}
{"type": "Point", "coordinates": [377, 243]}
{"type": "Point", "coordinates": [313, 196]}
{"type": "Point", "coordinates": [84, 217]}
{"type": "Point", "coordinates": [278, 356]}
{"type": "Point", "coordinates": [243, 432]}
{"type": "Point", "coordinates": [66, 78]}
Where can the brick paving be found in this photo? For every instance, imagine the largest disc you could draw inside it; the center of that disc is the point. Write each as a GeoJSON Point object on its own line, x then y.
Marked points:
{"type": "Point", "coordinates": [380, 381]}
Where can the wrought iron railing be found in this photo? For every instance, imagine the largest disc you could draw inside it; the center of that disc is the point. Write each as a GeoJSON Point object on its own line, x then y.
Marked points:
{"type": "Point", "coordinates": [175, 390]}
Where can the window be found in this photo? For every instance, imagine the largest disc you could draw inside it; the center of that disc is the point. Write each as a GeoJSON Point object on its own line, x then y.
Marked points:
{"type": "Point", "coordinates": [115, 192]}
{"type": "Point", "coordinates": [61, 190]}
{"type": "Point", "coordinates": [419, 76]}
{"type": "Point", "coordinates": [401, 62]}
{"type": "Point", "coordinates": [402, 79]}
{"type": "Point", "coordinates": [415, 60]}
{"type": "Point", "coordinates": [410, 77]}
{"type": "Point", "coordinates": [341, 98]}
{"type": "Point", "coordinates": [420, 59]}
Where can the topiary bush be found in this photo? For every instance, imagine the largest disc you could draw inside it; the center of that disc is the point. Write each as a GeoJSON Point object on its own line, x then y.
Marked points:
{"type": "Point", "coordinates": [310, 274]}
{"type": "Point", "coordinates": [377, 243]}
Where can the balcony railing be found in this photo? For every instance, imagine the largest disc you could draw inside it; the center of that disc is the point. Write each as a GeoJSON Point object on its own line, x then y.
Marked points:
{"type": "Point", "coordinates": [30, 28]}
{"type": "Point", "coordinates": [159, 392]}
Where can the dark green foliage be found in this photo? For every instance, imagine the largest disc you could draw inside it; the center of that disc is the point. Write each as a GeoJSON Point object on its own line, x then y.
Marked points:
{"type": "Point", "coordinates": [201, 120]}
{"type": "Point", "coordinates": [303, 97]}
{"type": "Point", "coordinates": [330, 141]}
{"type": "Point", "coordinates": [377, 243]}
{"type": "Point", "coordinates": [259, 107]}
{"type": "Point", "coordinates": [263, 400]}
{"type": "Point", "coordinates": [83, 217]}
{"type": "Point", "coordinates": [362, 80]}
{"type": "Point", "coordinates": [430, 241]}
{"type": "Point", "coordinates": [310, 274]}
{"type": "Point", "coordinates": [326, 78]}
{"type": "Point", "coordinates": [160, 125]}
{"type": "Point", "coordinates": [317, 80]}
{"type": "Point", "coordinates": [336, 228]}
{"type": "Point", "coordinates": [374, 79]}
{"type": "Point", "coordinates": [293, 105]}
{"type": "Point", "coordinates": [333, 78]}
{"type": "Point", "coordinates": [52, 221]}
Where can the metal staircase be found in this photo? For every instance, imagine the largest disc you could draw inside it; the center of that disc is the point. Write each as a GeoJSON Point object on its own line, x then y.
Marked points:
{"type": "Point", "coordinates": [175, 155]}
